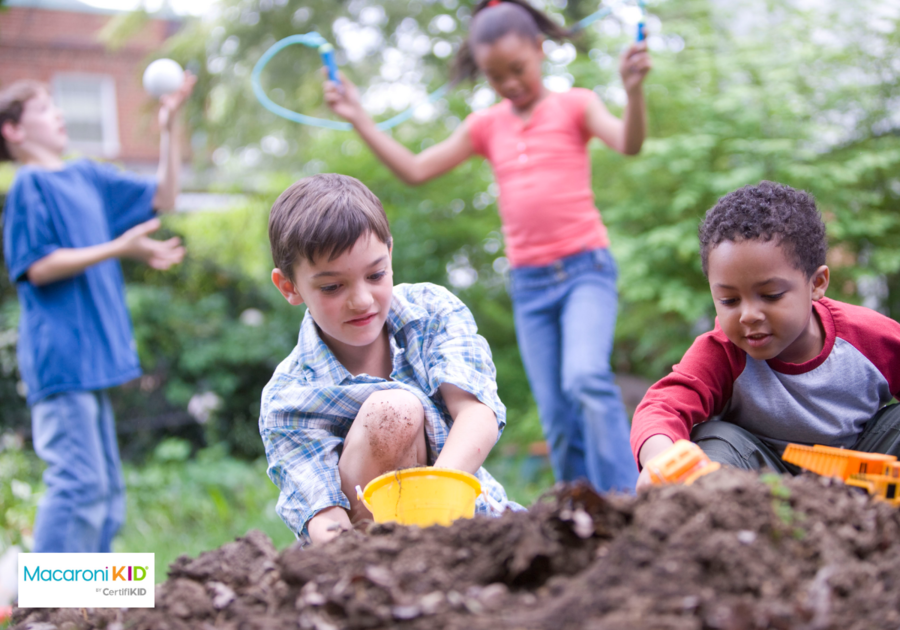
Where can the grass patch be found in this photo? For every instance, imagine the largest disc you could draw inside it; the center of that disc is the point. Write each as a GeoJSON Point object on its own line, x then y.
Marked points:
{"type": "Point", "coordinates": [178, 504]}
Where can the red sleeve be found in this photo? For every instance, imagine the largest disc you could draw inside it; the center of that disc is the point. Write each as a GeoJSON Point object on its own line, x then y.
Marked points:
{"type": "Point", "coordinates": [877, 337]}
{"type": "Point", "coordinates": [478, 124]}
{"type": "Point", "coordinates": [576, 103]}
{"type": "Point", "coordinates": [698, 388]}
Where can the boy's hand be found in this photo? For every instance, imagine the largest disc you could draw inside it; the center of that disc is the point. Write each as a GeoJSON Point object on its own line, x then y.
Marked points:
{"type": "Point", "coordinates": [137, 245]}
{"type": "Point", "coordinates": [654, 445]}
{"type": "Point", "coordinates": [328, 524]}
{"type": "Point", "coordinates": [170, 104]}
{"type": "Point", "coordinates": [634, 65]}
{"type": "Point", "coordinates": [643, 480]}
{"type": "Point", "coordinates": [343, 99]}
{"type": "Point", "coordinates": [473, 434]}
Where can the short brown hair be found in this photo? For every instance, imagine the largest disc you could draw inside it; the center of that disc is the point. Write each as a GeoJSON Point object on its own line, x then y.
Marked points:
{"type": "Point", "coordinates": [323, 215]}
{"type": "Point", "coordinates": [12, 101]}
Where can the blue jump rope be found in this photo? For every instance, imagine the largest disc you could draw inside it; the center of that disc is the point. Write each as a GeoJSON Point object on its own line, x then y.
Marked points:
{"type": "Point", "coordinates": [326, 52]}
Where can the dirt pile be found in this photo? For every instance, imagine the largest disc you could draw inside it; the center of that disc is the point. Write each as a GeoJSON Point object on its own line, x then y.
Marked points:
{"type": "Point", "coordinates": [733, 552]}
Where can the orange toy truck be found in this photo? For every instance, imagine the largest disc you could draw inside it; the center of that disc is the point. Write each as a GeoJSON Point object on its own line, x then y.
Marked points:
{"type": "Point", "coordinates": [875, 473]}
{"type": "Point", "coordinates": [683, 462]}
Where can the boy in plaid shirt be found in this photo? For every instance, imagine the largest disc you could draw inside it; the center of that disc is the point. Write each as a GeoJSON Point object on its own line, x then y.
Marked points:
{"type": "Point", "coordinates": [382, 377]}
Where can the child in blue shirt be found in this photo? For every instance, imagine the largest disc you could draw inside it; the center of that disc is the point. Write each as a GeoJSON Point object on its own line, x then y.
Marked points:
{"type": "Point", "coordinates": [65, 225]}
{"type": "Point", "coordinates": [383, 377]}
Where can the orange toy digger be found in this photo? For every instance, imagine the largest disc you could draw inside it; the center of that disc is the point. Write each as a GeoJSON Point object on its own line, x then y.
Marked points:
{"type": "Point", "coordinates": [875, 473]}
{"type": "Point", "coordinates": [683, 462]}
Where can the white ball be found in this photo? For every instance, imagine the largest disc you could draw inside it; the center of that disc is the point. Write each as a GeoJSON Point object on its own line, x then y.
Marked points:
{"type": "Point", "coordinates": [163, 76]}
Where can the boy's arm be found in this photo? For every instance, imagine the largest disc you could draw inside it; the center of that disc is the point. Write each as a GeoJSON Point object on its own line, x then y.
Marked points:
{"type": "Point", "coordinates": [698, 388]}
{"type": "Point", "coordinates": [654, 445]}
{"type": "Point", "coordinates": [303, 463]}
{"type": "Point", "coordinates": [328, 524]}
{"type": "Point", "coordinates": [67, 262]}
{"type": "Point", "coordinates": [461, 369]}
{"type": "Point", "coordinates": [473, 434]}
{"type": "Point", "coordinates": [626, 135]}
{"type": "Point", "coordinates": [170, 145]}
{"type": "Point", "coordinates": [303, 451]}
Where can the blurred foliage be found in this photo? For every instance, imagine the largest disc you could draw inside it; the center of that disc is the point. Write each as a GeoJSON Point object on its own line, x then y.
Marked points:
{"type": "Point", "coordinates": [20, 471]}
{"type": "Point", "coordinates": [122, 27]}
{"type": "Point", "coordinates": [740, 91]}
{"type": "Point", "coordinates": [179, 504]}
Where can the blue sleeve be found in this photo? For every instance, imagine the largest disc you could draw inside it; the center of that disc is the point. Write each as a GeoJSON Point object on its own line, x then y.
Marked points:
{"type": "Point", "coordinates": [301, 433]}
{"type": "Point", "coordinates": [127, 198]}
{"type": "Point", "coordinates": [458, 355]}
{"type": "Point", "coordinates": [28, 230]}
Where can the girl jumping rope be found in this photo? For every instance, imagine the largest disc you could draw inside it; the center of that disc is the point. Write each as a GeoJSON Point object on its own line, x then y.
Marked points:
{"type": "Point", "coordinates": [563, 278]}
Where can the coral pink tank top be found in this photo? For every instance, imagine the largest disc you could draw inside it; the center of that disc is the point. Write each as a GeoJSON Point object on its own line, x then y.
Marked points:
{"type": "Point", "coordinates": [544, 174]}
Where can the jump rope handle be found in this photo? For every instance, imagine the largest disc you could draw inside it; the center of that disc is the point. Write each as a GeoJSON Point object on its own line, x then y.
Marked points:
{"type": "Point", "coordinates": [326, 51]}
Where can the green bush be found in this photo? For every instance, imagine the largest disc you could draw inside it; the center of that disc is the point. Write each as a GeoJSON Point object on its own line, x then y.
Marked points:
{"type": "Point", "coordinates": [178, 504]}
{"type": "Point", "coordinates": [20, 490]}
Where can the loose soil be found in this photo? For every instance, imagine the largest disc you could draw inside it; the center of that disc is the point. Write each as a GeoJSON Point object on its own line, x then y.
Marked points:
{"type": "Point", "coordinates": [734, 551]}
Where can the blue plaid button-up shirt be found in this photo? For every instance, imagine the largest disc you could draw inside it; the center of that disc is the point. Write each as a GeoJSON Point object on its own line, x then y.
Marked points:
{"type": "Point", "coordinates": [308, 406]}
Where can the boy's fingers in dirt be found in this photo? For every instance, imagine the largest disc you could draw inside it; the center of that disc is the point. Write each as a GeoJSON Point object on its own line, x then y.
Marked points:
{"type": "Point", "coordinates": [643, 481]}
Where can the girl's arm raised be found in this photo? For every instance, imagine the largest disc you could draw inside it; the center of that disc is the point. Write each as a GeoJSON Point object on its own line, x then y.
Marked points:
{"type": "Point", "coordinates": [627, 135]}
{"type": "Point", "coordinates": [410, 167]}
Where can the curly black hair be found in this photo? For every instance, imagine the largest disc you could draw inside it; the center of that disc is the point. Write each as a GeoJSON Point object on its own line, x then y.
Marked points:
{"type": "Point", "coordinates": [763, 212]}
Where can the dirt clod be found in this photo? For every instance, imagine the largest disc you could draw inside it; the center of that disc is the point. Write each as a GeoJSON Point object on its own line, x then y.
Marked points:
{"type": "Point", "coordinates": [734, 551]}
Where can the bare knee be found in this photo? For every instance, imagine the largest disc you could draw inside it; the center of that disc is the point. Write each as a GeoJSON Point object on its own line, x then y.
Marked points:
{"type": "Point", "coordinates": [391, 421]}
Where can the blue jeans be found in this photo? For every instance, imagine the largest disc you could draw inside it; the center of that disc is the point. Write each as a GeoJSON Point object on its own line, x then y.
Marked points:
{"type": "Point", "coordinates": [84, 505]}
{"type": "Point", "coordinates": [565, 317]}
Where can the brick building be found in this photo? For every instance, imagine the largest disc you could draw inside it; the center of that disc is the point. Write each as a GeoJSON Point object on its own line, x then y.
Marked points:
{"type": "Point", "coordinates": [107, 112]}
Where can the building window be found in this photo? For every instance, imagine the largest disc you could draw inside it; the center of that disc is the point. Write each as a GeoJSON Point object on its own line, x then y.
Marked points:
{"type": "Point", "coordinates": [88, 103]}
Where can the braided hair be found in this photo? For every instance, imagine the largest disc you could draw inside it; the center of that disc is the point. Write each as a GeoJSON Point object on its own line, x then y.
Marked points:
{"type": "Point", "coordinates": [491, 20]}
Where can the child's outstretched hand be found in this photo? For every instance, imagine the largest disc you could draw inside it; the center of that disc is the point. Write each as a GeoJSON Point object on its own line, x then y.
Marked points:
{"type": "Point", "coordinates": [137, 245]}
{"type": "Point", "coordinates": [644, 480]}
{"type": "Point", "coordinates": [634, 65]}
{"type": "Point", "coordinates": [171, 103]}
{"type": "Point", "coordinates": [343, 98]}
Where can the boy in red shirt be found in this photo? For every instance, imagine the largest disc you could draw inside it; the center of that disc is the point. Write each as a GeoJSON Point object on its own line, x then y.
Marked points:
{"type": "Point", "coordinates": [783, 363]}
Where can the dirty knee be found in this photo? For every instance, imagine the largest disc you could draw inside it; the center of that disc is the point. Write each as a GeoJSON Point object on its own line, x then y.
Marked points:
{"type": "Point", "coordinates": [392, 420]}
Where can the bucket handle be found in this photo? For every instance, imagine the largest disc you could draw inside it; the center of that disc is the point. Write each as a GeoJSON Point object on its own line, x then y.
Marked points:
{"type": "Point", "coordinates": [496, 507]}
{"type": "Point", "coordinates": [362, 498]}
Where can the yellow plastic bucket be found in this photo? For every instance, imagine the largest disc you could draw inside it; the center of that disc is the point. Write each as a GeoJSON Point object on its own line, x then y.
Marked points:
{"type": "Point", "coordinates": [421, 496]}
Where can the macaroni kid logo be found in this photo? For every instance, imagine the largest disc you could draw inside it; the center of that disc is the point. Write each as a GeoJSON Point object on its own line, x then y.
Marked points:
{"type": "Point", "coordinates": [86, 575]}
{"type": "Point", "coordinates": [80, 580]}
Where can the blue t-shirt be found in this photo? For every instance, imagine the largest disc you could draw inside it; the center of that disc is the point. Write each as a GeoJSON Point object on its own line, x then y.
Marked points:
{"type": "Point", "coordinates": [74, 334]}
